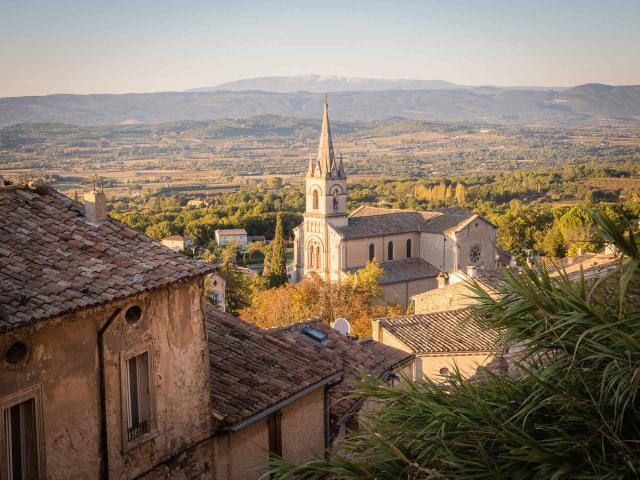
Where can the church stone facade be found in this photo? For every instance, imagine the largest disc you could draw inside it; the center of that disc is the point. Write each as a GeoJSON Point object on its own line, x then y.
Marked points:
{"type": "Point", "coordinates": [414, 248]}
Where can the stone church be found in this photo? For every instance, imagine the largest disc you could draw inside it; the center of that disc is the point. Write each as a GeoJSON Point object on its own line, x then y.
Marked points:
{"type": "Point", "coordinates": [414, 248]}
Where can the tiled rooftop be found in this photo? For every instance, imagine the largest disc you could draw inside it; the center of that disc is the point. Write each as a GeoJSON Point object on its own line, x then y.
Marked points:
{"type": "Point", "coordinates": [52, 261]}
{"type": "Point", "coordinates": [252, 369]}
{"type": "Point", "coordinates": [372, 221]}
{"type": "Point", "coordinates": [353, 357]}
{"type": "Point", "coordinates": [453, 331]}
{"type": "Point", "coordinates": [404, 270]}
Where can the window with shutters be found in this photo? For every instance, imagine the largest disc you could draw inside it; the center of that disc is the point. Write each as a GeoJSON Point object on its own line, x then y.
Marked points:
{"type": "Point", "coordinates": [137, 402]}
{"type": "Point", "coordinates": [21, 447]}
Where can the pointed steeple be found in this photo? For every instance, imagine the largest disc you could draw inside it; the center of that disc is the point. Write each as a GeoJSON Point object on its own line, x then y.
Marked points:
{"type": "Point", "coordinates": [326, 157]}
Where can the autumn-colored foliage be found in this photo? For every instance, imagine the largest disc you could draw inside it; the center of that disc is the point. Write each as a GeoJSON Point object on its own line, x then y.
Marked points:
{"type": "Point", "coordinates": [356, 298]}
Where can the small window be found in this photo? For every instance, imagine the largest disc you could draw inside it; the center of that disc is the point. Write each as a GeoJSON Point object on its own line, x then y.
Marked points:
{"type": "Point", "coordinates": [444, 371]}
{"type": "Point", "coordinates": [409, 248]}
{"type": "Point", "coordinates": [316, 202]}
{"type": "Point", "coordinates": [318, 263]}
{"type": "Point", "coordinates": [390, 251]}
{"type": "Point", "coordinates": [274, 424]}
{"type": "Point", "coordinates": [372, 252]}
{"type": "Point", "coordinates": [21, 458]}
{"type": "Point", "coordinates": [133, 314]}
{"type": "Point", "coordinates": [474, 254]}
{"type": "Point", "coordinates": [335, 199]}
{"type": "Point", "coordinates": [214, 298]}
{"type": "Point", "coordinates": [16, 354]}
{"type": "Point", "coordinates": [137, 396]}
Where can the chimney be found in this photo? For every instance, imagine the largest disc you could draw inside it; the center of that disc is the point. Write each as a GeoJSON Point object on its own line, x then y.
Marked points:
{"type": "Point", "coordinates": [376, 330]}
{"type": "Point", "coordinates": [443, 280]}
{"type": "Point", "coordinates": [95, 206]}
{"type": "Point", "coordinates": [472, 271]}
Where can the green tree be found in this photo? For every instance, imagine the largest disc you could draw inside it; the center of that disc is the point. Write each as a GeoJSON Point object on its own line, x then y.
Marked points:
{"type": "Point", "coordinates": [159, 230]}
{"type": "Point", "coordinates": [568, 407]}
{"type": "Point", "coordinates": [553, 243]}
{"type": "Point", "coordinates": [277, 259]}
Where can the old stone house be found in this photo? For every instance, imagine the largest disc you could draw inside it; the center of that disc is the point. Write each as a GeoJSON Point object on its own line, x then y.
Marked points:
{"type": "Point", "coordinates": [412, 247]}
{"type": "Point", "coordinates": [177, 243]}
{"type": "Point", "coordinates": [440, 341]}
{"type": "Point", "coordinates": [104, 368]}
{"type": "Point", "coordinates": [232, 235]}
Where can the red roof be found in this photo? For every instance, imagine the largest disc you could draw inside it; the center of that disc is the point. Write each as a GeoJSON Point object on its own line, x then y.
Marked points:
{"type": "Point", "coordinates": [53, 261]}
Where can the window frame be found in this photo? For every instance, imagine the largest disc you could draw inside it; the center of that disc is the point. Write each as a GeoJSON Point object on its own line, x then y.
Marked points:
{"type": "Point", "coordinates": [125, 356]}
{"type": "Point", "coordinates": [31, 393]}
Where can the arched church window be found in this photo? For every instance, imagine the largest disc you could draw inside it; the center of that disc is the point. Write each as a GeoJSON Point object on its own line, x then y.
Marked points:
{"type": "Point", "coordinates": [310, 256]}
{"type": "Point", "coordinates": [408, 248]}
{"type": "Point", "coordinates": [390, 251]}
{"type": "Point", "coordinates": [335, 199]}
{"type": "Point", "coordinates": [318, 264]}
{"type": "Point", "coordinates": [372, 252]}
{"type": "Point", "coordinates": [315, 200]}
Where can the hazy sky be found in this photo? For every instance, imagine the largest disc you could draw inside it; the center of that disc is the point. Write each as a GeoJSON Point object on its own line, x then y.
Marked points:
{"type": "Point", "coordinates": [115, 46]}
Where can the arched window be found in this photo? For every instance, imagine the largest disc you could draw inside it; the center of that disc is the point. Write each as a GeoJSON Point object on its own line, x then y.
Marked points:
{"type": "Point", "coordinates": [310, 256]}
{"type": "Point", "coordinates": [335, 199]}
{"type": "Point", "coordinates": [372, 252]}
{"type": "Point", "coordinates": [408, 248]}
{"type": "Point", "coordinates": [318, 264]}
{"type": "Point", "coordinates": [315, 200]}
{"type": "Point", "coordinates": [390, 251]}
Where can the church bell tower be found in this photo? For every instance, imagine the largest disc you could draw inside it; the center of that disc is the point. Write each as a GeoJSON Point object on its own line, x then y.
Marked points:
{"type": "Point", "coordinates": [326, 182]}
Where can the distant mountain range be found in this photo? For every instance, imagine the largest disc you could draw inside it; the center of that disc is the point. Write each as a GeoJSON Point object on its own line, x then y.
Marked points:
{"type": "Point", "coordinates": [441, 101]}
{"type": "Point", "coordinates": [332, 83]}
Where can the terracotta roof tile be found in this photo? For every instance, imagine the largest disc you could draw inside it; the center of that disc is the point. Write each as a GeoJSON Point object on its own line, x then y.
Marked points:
{"type": "Point", "coordinates": [354, 358]}
{"type": "Point", "coordinates": [442, 332]}
{"type": "Point", "coordinates": [252, 369]}
{"type": "Point", "coordinates": [53, 261]}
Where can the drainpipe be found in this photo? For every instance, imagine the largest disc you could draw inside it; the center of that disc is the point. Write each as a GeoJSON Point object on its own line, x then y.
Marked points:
{"type": "Point", "coordinates": [104, 444]}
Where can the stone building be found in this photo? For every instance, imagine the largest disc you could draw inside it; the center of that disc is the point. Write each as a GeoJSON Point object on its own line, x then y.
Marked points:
{"type": "Point", "coordinates": [177, 243]}
{"type": "Point", "coordinates": [227, 236]}
{"type": "Point", "coordinates": [104, 368]}
{"type": "Point", "coordinates": [412, 247]}
{"type": "Point", "coordinates": [440, 341]}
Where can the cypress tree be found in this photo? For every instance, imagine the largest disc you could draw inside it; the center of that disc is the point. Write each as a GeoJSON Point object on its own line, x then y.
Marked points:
{"type": "Point", "coordinates": [277, 260]}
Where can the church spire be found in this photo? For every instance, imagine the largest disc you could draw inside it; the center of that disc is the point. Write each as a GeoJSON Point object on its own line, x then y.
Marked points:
{"type": "Point", "coordinates": [326, 157]}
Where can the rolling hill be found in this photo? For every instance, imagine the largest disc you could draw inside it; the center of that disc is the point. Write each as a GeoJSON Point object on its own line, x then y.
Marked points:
{"type": "Point", "coordinates": [582, 104]}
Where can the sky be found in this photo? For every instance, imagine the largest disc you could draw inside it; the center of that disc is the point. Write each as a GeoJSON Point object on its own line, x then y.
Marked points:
{"type": "Point", "coordinates": [116, 46]}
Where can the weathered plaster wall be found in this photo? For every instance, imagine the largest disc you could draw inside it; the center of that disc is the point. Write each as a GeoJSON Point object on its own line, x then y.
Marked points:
{"type": "Point", "coordinates": [303, 428]}
{"type": "Point", "coordinates": [63, 359]}
{"type": "Point", "coordinates": [241, 455]}
{"type": "Point", "coordinates": [401, 293]}
{"type": "Point", "coordinates": [430, 365]}
{"type": "Point", "coordinates": [450, 297]}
